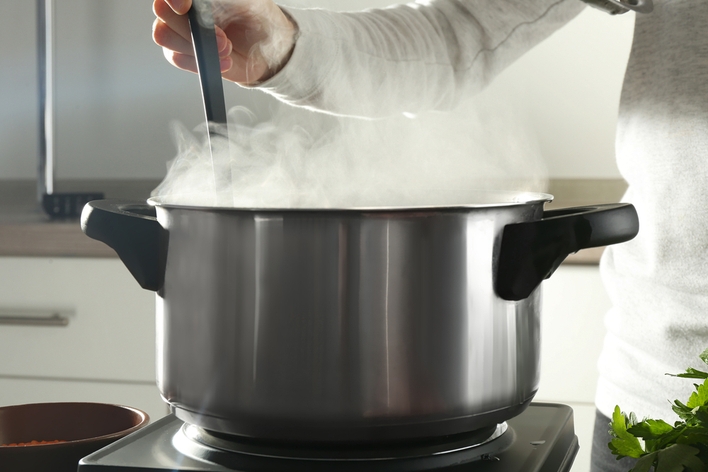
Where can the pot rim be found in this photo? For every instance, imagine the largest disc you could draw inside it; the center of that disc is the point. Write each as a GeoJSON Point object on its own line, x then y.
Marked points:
{"type": "Point", "coordinates": [487, 200]}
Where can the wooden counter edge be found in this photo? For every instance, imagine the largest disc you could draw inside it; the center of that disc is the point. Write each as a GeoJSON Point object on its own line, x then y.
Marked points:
{"type": "Point", "coordinates": [54, 239]}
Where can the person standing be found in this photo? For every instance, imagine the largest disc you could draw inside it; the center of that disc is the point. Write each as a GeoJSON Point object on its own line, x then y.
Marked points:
{"type": "Point", "coordinates": [427, 55]}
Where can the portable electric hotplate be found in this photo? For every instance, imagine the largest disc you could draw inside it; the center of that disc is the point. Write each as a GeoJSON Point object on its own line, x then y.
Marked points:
{"type": "Point", "coordinates": [541, 439]}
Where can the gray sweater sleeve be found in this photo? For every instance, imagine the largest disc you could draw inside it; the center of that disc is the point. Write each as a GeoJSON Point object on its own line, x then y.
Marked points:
{"type": "Point", "coordinates": [409, 58]}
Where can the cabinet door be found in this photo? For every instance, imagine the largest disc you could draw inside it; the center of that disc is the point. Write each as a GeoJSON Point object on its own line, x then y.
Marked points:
{"type": "Point", "coordinates": [109, 332]}
{"type": "Point", "coordinates": [572, 331]}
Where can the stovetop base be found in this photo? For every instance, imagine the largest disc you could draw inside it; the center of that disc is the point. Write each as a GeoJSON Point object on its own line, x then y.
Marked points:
{"type": "Point", "coordinates": [541, 439]}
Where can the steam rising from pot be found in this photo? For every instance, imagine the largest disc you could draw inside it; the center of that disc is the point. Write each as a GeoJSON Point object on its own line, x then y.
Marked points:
{"type": "Point", "coordinates": [304, 159]}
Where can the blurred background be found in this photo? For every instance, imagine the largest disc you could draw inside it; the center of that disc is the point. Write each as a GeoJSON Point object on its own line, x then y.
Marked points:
{"type": "Point", "coordinates": [116, 95]}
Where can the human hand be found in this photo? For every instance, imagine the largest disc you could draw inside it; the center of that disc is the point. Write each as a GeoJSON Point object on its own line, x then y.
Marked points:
{"type": "Point", "coordinates": [254, 37]}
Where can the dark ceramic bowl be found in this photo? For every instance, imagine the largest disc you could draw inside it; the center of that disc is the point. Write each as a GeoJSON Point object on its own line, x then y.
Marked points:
{"type": "Point", "coordinates": [82, 427]}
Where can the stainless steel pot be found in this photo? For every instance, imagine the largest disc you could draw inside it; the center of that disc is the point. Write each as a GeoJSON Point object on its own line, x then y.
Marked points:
{"type": "Point", "coordinates": [349, 325]}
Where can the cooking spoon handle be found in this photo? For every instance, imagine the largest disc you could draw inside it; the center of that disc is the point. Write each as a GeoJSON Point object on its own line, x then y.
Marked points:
{"type": "Point", "coordinates": [206, 51]}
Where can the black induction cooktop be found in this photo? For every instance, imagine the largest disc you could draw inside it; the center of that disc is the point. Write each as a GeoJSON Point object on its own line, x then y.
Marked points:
{"type": "Point", "coordinates": [541, 439]}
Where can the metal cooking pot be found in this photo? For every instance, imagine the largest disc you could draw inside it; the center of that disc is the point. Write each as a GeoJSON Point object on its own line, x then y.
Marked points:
{"type": "Point", "coordinates": [351, 324]}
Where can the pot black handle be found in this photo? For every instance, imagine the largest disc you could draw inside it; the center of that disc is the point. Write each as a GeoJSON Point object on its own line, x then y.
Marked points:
{"type": "Point", "coordinates": [531, 251]}
{"type": "Point", "coordinates": [132, 230]}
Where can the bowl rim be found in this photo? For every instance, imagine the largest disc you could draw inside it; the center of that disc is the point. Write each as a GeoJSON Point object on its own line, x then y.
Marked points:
{"type": "Point", "coordinates": [144, 420]}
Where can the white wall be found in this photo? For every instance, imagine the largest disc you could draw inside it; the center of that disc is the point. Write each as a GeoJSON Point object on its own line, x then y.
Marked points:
{"type": "Point", "coordinates": [569, 88]}
{"type": "Point", "coordinates": [116, 95]}
{"type": "Point", "coordinates": [566, 90]}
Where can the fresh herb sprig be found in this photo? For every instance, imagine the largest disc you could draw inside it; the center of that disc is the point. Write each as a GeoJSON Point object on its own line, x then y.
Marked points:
{"type": "Point", "coordinates": [656, 444]}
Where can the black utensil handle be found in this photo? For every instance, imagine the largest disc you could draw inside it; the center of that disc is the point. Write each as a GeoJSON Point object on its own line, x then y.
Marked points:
{"type": "Point", "coordinates": [132, 230]}
{"type": "Point", "coordinates": [531, 251]}
{"type": "Point", "coordinates": [206, 51]}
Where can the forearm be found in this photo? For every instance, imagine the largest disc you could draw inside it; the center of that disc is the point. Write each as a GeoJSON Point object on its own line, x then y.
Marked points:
{"type": "Point", "coordinates": [409, 58]}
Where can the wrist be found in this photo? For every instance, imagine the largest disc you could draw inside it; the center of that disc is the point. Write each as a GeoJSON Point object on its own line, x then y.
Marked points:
{"type": "Point", "coordinates": [278, 49]}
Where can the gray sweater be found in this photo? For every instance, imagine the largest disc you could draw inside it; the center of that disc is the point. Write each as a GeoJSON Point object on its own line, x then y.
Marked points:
{"type": "Point", "coordinates": [428, 54]}
{"type": "Point", "coordinates": [658, 282]}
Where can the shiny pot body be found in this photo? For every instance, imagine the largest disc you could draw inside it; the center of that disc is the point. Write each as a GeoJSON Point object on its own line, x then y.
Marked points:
{"type": "Point", "coordinates": [349, 325]}
{"type": "Point", "coordinates": [376, 325]}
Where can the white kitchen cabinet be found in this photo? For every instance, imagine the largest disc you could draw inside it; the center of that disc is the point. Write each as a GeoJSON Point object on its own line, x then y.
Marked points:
{"type": "Point", "coordinates": [105, 353]}
{"type": "Point", "coordinates": [572, 330]}
{"type": "Point", "coordinates": [111, 330]}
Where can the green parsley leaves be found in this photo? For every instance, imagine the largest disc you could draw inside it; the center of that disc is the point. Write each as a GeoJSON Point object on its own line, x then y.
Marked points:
{"type": "Point", "coordinates": [661, 447]}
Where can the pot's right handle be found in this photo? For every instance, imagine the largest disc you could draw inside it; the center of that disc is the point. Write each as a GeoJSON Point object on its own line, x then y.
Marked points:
{"type": "Point", "coordinates": [132, 230]}
{"type": "Point", "coordinates": [531, 251]}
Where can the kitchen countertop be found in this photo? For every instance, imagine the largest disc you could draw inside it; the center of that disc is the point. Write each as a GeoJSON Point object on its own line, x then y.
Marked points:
{"type": "Point", "coordinates": [26, 231]}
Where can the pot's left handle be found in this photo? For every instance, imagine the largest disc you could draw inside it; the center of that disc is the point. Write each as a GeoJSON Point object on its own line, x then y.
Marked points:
{"type": "Point", "coordinates": [531, 251]}
{"type": "Point", "coordinates": [132, 230]}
